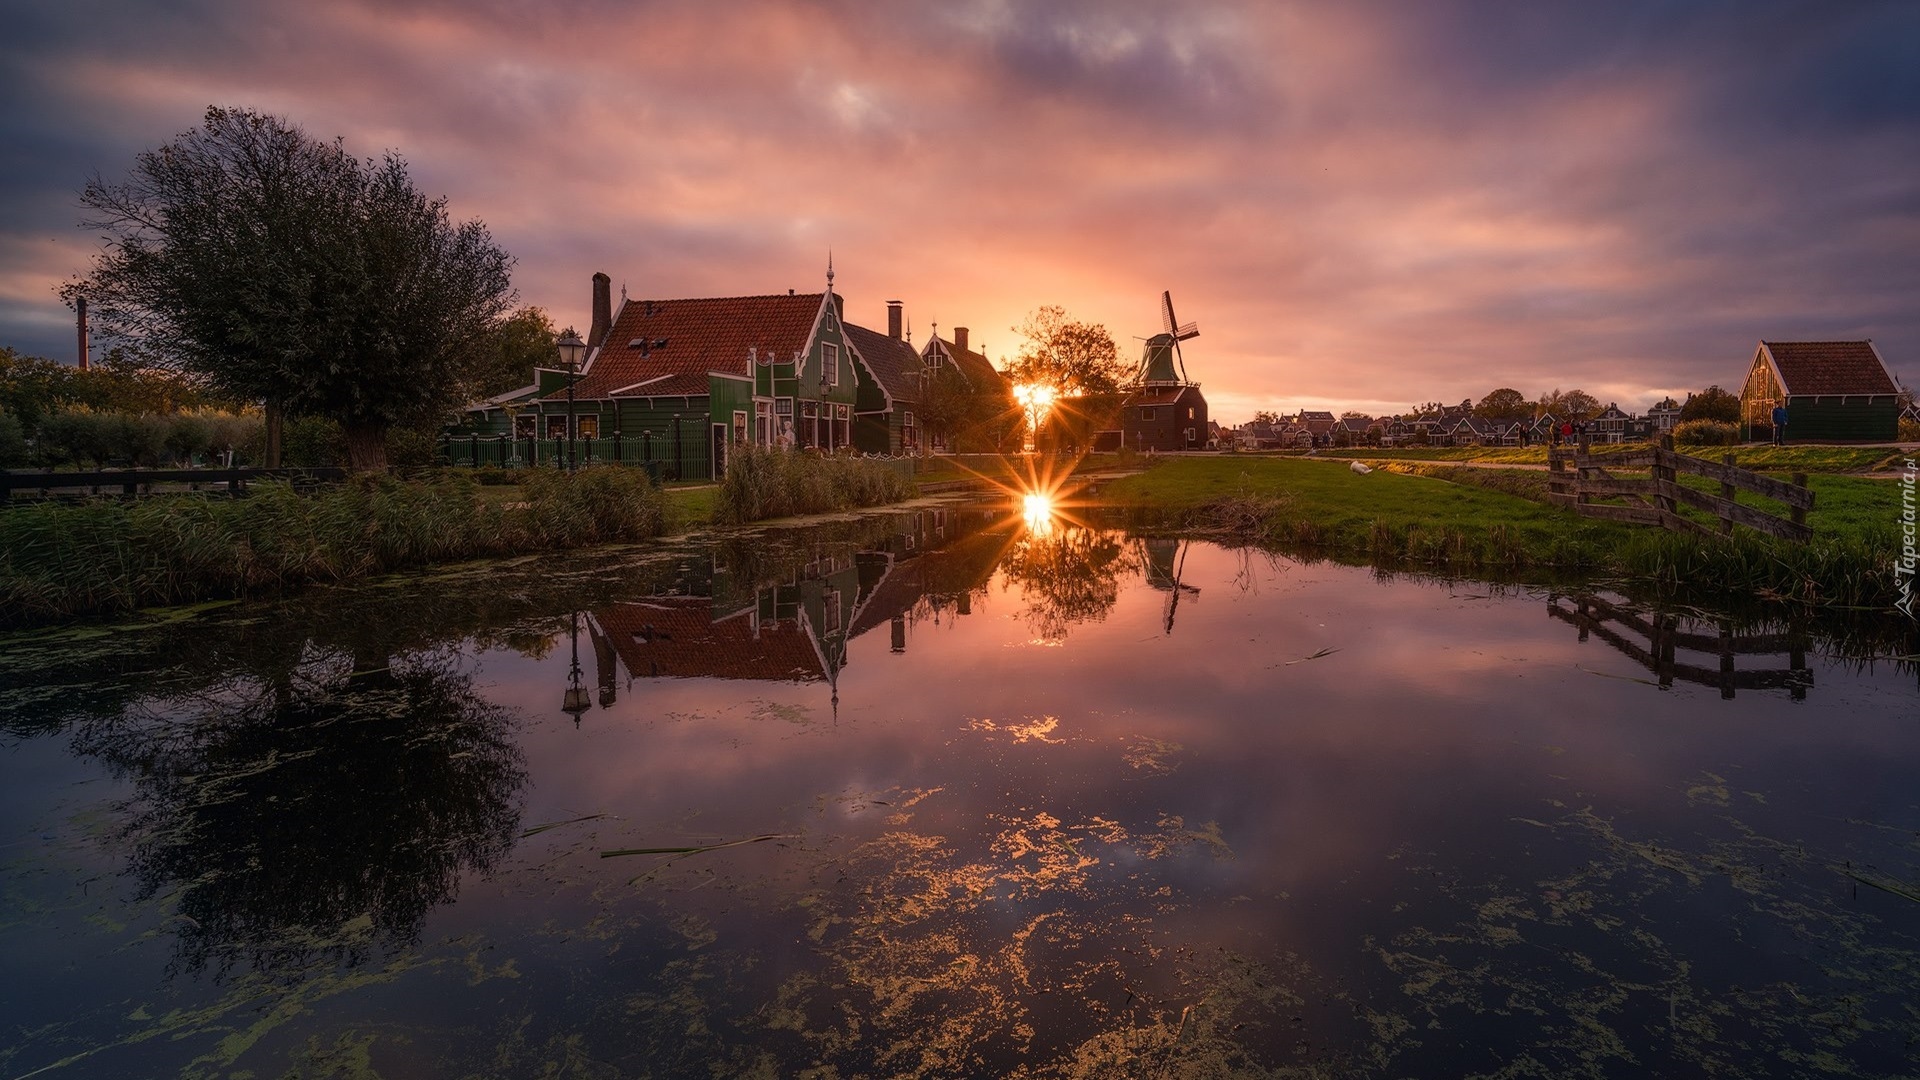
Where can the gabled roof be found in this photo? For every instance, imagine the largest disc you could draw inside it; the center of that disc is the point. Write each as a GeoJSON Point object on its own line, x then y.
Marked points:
{"type": "Point", "coordinates": [679, 636]}
{"type": "Point", "coordinates": [975, 368]}
{"type": "Point", "coordinates": [1807, 368]}
{"type": "Point", "coordinates": [686, 339]}
{"type": "Point", "coordinates": [893, 362]}
{"type": "Point", "coordinates": [1160, 394]}
{"type": "Point", "coordinates": [1611, 412]}
{"type": "Point", "coordinates": [1314, 414]}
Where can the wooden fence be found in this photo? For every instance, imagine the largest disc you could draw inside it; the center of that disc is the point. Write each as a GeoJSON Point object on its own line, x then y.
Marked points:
{"type": "Point", "coordinates": [141, 481]}
{"type": "Point", "coordinates": [1577, 477]}
{"type": "Point", "coordinates": [1653, 640]}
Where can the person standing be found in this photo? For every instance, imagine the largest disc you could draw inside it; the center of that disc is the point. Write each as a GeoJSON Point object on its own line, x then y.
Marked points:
{"type": "Point", "coordinates": [1779, 425]}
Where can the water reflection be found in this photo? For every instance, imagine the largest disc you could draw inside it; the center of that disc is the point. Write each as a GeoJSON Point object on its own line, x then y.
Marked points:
{"type": "Point", "coordinates": [1344, 826]}
{"type": "Point", "coordinates": [316, 815]}
{"type": "Point", "coordinates": [1662, 641]}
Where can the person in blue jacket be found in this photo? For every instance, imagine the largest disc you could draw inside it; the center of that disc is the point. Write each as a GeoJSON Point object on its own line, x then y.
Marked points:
{"type": "Point", "coordinates": [1779, 425]}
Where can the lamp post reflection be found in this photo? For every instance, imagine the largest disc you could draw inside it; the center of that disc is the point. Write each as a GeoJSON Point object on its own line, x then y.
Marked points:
{"type": "Point", "coordinates": [576, 701]}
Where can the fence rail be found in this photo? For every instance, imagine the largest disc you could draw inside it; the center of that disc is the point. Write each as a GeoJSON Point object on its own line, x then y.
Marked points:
{"type": "Point", "coordinates": [141, 481]}
{"type": "Point", "coordinates": [1576, 477]}
{"type": "Point", "coordinates": [686, 457]}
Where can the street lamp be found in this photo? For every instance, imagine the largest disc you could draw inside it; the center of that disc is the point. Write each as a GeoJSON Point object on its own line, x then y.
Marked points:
{"type": "Point", "coordinates": [575, 703]}
{"type": "Point", "coordinates": [571, 350]}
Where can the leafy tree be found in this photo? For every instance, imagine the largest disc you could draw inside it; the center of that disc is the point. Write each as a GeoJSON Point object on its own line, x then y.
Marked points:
{"type": "Point", "coordinates": [280, 269]}
{"type": "Point", "coordinates": [515, 345]}
{"type": "Point", "coordinates": [972, 419]}
{"type": "Point", "coordinates": [1712, 403]}
{"type": "Point", "coordinates": [1072, 357]}
{"type": "Point", "coordinates": [33, 387]}
{"type": "Point", "coordinates": [1505, 404]}
{"type": "Point", "coordinates": [1570, 404]}
{"type": "Point", "coordinates": [1266, 416]}
{"type": "Point", "coordinates": [13, 441]}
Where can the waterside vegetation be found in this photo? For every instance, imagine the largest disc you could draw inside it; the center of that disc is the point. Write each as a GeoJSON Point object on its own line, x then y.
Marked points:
{"type": "Point", "coordinates": [102, 557]}
{"type": "Point", "coordinates": [764, 482]}
{"type": "Point", "coordinates": [1471, 520]}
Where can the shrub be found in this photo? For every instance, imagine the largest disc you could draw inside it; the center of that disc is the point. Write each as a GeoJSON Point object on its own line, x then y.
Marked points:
{"type": "Point", "coordinates": [1909, 430]}
{"type": "Point", "coordinates": [73, 438]}
{"type": "Point", "coordinates": [311, 442]}
{"type": "Point", "coordinates": [1706, 433]}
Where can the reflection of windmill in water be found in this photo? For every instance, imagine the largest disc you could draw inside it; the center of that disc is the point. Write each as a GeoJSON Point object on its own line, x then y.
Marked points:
{"type": "Point", "coordinates": [1166, 561]}
{"type": "Point", "coordinates": [1165, 410]}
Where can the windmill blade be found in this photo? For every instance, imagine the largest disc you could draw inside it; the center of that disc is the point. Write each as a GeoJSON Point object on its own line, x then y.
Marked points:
{"type": "Point", "coordinates": [1180, 358]}
{"type": "Point", "coordinates": [1166, 313]}
{"type": "Point", "coordinates": [1189, 330]}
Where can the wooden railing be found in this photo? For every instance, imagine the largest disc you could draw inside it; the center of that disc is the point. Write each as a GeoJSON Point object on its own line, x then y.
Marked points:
{"type": "Point", "coordinates": [141, 481]}
{"type": "Point", "coordinates": [1652, 640]}
{"type": "Point", "coordinates": [1576, 477]}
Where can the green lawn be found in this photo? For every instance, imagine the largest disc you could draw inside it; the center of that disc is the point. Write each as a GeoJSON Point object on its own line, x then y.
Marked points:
{"type": "Point", "coordinates": [1809, 459]}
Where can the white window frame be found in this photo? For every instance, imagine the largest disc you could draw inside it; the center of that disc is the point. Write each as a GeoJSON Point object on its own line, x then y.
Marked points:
{"type": "Point", "coordinates": [829, 363]}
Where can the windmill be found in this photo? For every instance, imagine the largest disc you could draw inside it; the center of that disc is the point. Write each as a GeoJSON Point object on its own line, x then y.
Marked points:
{"type": "Point", "coordinates": [1163, 362]}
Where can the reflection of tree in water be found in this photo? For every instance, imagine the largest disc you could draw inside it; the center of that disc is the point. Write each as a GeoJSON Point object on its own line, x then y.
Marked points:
{"type": "Point", "coordinates": [317, 815]}
{"type": "Point", "coordinates": [1067, 575]}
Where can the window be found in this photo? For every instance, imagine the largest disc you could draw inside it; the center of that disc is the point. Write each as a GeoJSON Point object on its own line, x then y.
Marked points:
{"type": "Point", "coordinates": [589, 427]}
{"type": "Point", "coordinates": [843, 425]}
{"type": "Point", "coordinates": [829, 364]}
{"type": "Point", "coordinates": [763, 422]}
{"type": "Point", "coordinates": [908, 437]}
{"type": "Point", "coordinates": [1146, 413]}
{"type": "Point", "coordinates": [526, 427]}
{"type": "Point", "coordinates": [739, 426]}
{"type": "Point", "coordinates": [556, 427]}
{"type": "Point", "coordinates": [1189, 412]}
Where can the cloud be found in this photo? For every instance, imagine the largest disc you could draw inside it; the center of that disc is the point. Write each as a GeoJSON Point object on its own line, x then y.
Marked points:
{"type": "Point", "coordinates": [1360, 204]}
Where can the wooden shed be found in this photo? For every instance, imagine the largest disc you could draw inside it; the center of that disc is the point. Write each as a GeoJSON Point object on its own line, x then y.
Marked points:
{"type": "Point", "coordinates": [1834, 391]}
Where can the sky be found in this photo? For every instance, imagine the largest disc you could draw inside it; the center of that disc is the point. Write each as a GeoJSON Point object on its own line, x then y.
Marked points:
{"type": "Point", "coordinates": [1362, 205]}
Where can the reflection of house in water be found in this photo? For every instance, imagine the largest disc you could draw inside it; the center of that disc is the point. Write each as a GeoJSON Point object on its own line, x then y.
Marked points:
{"type": "Point", "coordinates": [797, 629]}
{"type": "Point", "coordinates": [1166, 561]}
{"type": "Point", "coordinates": [1664, 641]}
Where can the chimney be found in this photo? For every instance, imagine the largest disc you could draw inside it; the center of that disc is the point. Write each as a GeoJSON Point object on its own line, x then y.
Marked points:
{"type": "Point", "coordinates": [839, 308]}
{"type": "Point", "coordinates": [893, 319]}
{"type": "Point", "coordinates": [602, 310]}
{"type": "Point", "coordinates": [960, 339]}
{"type": "Point", "coordinates": [81, 305]}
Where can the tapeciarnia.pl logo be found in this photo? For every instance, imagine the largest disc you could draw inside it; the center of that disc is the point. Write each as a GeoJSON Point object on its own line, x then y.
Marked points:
{"type": "Point", "coordinates": [1903, 567]}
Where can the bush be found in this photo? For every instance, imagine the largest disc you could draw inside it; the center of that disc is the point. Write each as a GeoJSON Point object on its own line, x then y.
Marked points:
{"type": "Point", "coordinates": [310, 442]}
{"type": "Point", "coordinates": [768, 482]}
{"type": "Point", "coordinates": [73, 438]}
{"type": "Point", "coordinates": [1706, 433]}
{"type": "Point", "coordinates": [1909, 430]}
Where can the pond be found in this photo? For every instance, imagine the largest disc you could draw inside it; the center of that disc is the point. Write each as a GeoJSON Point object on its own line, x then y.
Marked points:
{"type": "Point", "coordinates": [958, 792]}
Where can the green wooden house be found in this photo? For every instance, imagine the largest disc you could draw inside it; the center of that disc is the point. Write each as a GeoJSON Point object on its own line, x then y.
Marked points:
{"type": "Point", "coordinates": [1834, 391]}
{"type": "Point", "coordinates": [678, 382]}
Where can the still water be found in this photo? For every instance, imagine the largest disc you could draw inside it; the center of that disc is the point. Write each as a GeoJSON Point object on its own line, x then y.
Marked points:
{"type": "Point", "coordinates": [957, 793]}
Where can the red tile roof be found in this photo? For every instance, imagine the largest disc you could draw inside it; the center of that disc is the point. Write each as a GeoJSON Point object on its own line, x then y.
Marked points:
{"type": "Point", "coordinates": [686, 339]}
{"type": "Point", "coordinates": [680, 636]}
{"type": "Point", "coordinates": [1829, 367]}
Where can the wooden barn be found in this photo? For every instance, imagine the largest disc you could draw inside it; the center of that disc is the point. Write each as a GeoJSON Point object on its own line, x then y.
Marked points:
{"type": "Point", "coordinates": [1834, 391]}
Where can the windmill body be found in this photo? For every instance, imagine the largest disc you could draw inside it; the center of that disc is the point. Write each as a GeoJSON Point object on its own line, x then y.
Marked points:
{"type": "Point", "coordinates": [1164, 409]}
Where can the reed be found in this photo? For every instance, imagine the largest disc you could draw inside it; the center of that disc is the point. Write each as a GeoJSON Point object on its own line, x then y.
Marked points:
{"type": "Point", "coordinates": [768, 482]}
{"type": "Point", "coordinates": [102, 557]}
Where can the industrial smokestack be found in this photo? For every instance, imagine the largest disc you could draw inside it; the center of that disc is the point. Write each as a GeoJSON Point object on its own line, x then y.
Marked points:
{"type": "Point", "coordinates": [81, 306]}
{"type": "Point", "coordinates": [893, 319]}
{"type": "Point", "coordinates": [602, 310]}
{"type": "Point", "coordinates": [960, 339]}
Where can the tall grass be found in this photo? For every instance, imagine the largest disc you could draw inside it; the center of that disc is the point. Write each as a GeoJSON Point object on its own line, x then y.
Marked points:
{"type": "Point", "coordinates": [768, 482]}
{"type": "Point", "coordinates": [63, 560]}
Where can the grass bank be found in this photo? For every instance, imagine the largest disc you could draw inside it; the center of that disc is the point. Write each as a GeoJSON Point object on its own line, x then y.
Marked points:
{"type": "Point", "coordinates": [1807, 459]}
{"type": "Point", "coordinates": [1482, 520]}
{"type": "Point", "coordinates": [65, 560]}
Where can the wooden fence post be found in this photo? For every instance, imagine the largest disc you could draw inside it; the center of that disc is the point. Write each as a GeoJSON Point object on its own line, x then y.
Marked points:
{"type": "Point", "coordinates": [1729, 493]}
{"type": "Point", "coordinates": [1799, 513]}
{"type": "Point", "coordinates": [1664, 477]}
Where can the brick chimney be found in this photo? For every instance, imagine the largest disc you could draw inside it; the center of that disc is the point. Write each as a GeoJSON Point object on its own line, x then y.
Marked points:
{"type": "Point", "coordinates": [893, 319]}
{"type": "Point", "coordinates": [81, 306]}
{"type": "Point", "coordinates": [960, 339]}
{"type": "Point", "coordinates": [602, 310]}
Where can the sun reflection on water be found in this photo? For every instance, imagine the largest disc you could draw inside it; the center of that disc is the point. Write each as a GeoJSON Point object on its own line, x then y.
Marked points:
{"type": "Point", "coordinates": [1038, 511]}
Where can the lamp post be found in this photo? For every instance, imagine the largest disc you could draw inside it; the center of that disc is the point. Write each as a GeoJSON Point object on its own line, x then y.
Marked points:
{"type": "Point", "coordinates": [571, 350]}
{"type": "Point", "coordinates": [513, 435]}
